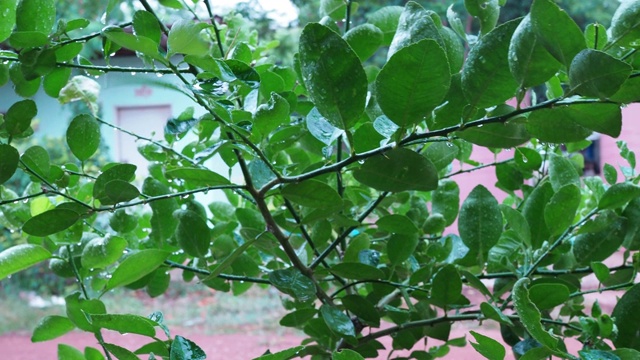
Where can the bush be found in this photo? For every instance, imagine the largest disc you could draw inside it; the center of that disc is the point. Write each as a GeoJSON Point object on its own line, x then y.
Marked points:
{"type": "Point", "coordinates": [348, 194]}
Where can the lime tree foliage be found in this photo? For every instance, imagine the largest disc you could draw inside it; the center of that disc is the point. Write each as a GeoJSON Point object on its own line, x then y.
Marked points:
{"type": "Point", "coordinates": [347, 202]}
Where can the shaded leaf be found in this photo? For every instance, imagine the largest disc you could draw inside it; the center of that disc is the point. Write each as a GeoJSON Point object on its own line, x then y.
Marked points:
{"type": "Point", "coordinates": [504, 136]}
{"type": "Point", "coordinates": [312, 193]}
{"type": "Point", "coordinates": [397, 170]}
{"type": "Point", "coordinates": [192, 233]}
{"type": "Point", "coordinates": [597, 74]}
{"type": "Point", "coordinates": [292, 282]}
{"type": "Point", "coordinates": [627, 319]}
{"type": "Point", "coordinates": [50, 222]}
{"type": "Point", "coordinates": [9, 159]}
{"type": "Point", "coordinates": [480, 221]}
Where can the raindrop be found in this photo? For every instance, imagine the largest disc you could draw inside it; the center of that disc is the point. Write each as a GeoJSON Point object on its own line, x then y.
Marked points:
{"type": "Point", "coordinates": [159, 75]}
{"type": "Point", "coordinates": [133, 73]}
{"type": "Point", "coordinates": [25, 201]}
{"type": "Point", "coordinates": [481, 125]}
{"type": "Point", "coordinates": [449, 144]}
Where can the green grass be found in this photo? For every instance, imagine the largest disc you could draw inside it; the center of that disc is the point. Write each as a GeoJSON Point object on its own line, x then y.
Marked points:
{"type": "Point", "coordinates": [185, 306]}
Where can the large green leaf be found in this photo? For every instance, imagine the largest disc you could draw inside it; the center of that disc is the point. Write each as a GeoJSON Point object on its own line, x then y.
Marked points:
{"type": "Point", "coordinates": [618, 195]}
{"type": "Point", "coordinates": [362, 308]}
{"type": "Point", "coordinates": [291, 281]}
{"type": "Point", "coordinates": [446, 287]}
{"type": "Point", "coordinates": [185, 38]}
{"type": "Point", "coordinates": [627, 319]}
{"type": "Point", "coordinates": [530, 315]}
{"type": "Point", "coordinates": [197, 176]}
{"type": "Point", "coordinates": [8, 16]}
{"type": "Point", "coordinates": [78, 308]}
{"type": "Point", "coordinates": [20, 257]}
{"type": "Point", "coordinates": [486, 79]}
{"type": "Point", "coordinates": [503, 136]}
{"type": "Point", "coordinates": [125, 323]}
{"type": "Point", "coordinates": [337, 321]}
{"type": "Point", "coordinates": [397, 170]}
{"type": "Point", "coordinates": [415, 24]}
{"type": "Point", "coordinates": [36, 160]}
{"type": "Point", "coordinates": [312, 193]}
{"type": "Point", "coordinates": [56, 80]}
{"type": "Point", "coordinates": [18, 118]}
{"type": "Point", "coordinates": [83, 136]}
{"type": "Point", "coordinates": [571, 123]}
{"type": "Point", "coordinates": [185, 349]}
{"type": "Point", "coordinates": [400, 247]}
{"type": "Point", "coordinates": [364, 39]}
{"type": "Point", "coordinates": [559, 213]}
{"type": "Point", "coordinates": [597, 74]}
{"type": "Point", "coordinates": [357, 271]}
{"type": "Point", "coordinates": [102, 251]}
{"type": "Point", "coordinates": [548, 295]}
{"type": "Point", "coordinates": [136, 266]}
{"type": "Point", "coordinates": [118, 191]}
{"type": "Point", "coordinates": [36, 15]}
{"type": "Point", "coordinates": [146, 24]}
{"type": "Point", "coordinates": [625, 24]}
{"type": "Point", "coordinates": [480, 222]}
{"type": "Point", "coordinates": [50, 222]}
{"type": "Point", "coordinates": [562, 172]}
{"type": "Point", "coordinates": [529, 62]}
{"type": "Point", "coordinates": [333, 75]}
{"type": "Point", "coordinates": [51, 327]}
{"type": "Point", "coordinates": [557, 32]}
{"type": "Point", "coordinates": [420, 69]}
{"type": "Point", "coordinates": [598, 246]}
{"type": "Point", "coordinates": [123, 172]}
{"type": "Point", "coordinates": [193, 234]}
{"type": "Point", "coordinates": [9, 159]}
{"type": "Point", "coordinates": [271, 115]}
{"type": "Point", "coordinates": [488, 347]}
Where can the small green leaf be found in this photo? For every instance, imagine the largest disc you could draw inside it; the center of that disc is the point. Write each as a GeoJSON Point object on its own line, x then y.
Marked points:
{"type": "Point", "coordinates": [313, 193]}
{"type": "Point", "coordinates": [20, 257]}
{"type": "Point", "coordinates": [397, 224]}
{"type": "Point", "coordinates": [627, 319]}
{"type": "Point", "coordinates": [333, 75]}
{"type": "Point", "coordinates": [420, 69]}
{"type": "Point", "coordinates": [365, 40]}
{"type": "Point", "coordinates": [398, 170]}
{"type": "Point", "coordinates": [51, 327]}
{"type": "Point", "coordinates": [561, 209]}
{"type": "Point", "coordinates": [36, 160]}
{"type": "Point", "coordinates": [9, 159]}
{"type": "Point", "coordinates": [197, 177]}
{"type": "Point", "coordinates": [118, 191]}
{"type": "Point", "coordinates": [562, 172]}
{"type": "Point", "coordinates": [298, 318]}
{"type": "Point", "coordinates": [68, 352]}
{"type": "Point", "coordinates": [494, 313]}
{"type": "Point", "coordinates": [8, 11]}
{"type": "Point", "coordinates": [123, 172]}
{"type": "Point", "coordinates": [81, 88]}
{"type": "Point", "coordinates": [530, 315]}
{"type": "Point", "coordinates": [480, 222]}
{"type": "Point", "coordinates": [23, 87]}
{"type": "Point", "coordinates": [146, 24]}
{"type": "Point", "coordinates": [120, 353]}
{"type": "Point", "coordinates": [557, 32]}
{"type": "Point", "coordinates": [618, 195]}
{"type": "Point", "coordinates": [486, 79]}
{"type": "Point", "coordinates": [441, 154]}
{"type": "Point", "coordinates": [135, 267]}
{"type": "Point", "coordinates": [549, 295]}
{"type": "Point", "coordinates": [401, 247]}
{"type": "Point", "coordinates": [56, 80]}
{"type": "Point", "coordinates": [610, 174]}
{"type": "Point", "coordinates": [415, 24]}
{"type": "Point", "coordinates": [597, 74]}
{"type": "Point", "coordinates": [269, 116]}
{"type": "Point", "coordinates": [357, 271]}
{"type": "Point", "coordinates": [36, 15]}
{"type": "Point", "coordinates": [362, 308]}
{"type": "Point", "coordinates": [83, 136]}
{"type": "Point", "coordinates": [125, 323]}
{"type": "Point", "coordinates": [282, 355]}
{"type": "Point", "coordinates": [50, 222]}
{"type": "Point", "coordinates": [346, 354]}
{"type": "Point", "coordinates": [18, 118]}
{"type": "Point", "coordinates": [163, 224]}
{"type": "Point", "coordinates": [102, 251]}
{"type": "Point", "coordinates": [488, 347]}
{"type": "Point", "coordinates": [445, 200]}
{"type": "Point", "coordinates": [625, 24]}
{"type": "Point", "coordinates": [601, 271]}
{"type": "Point", "coordinates": [292, 282]}
{"type": "Point", "coordinates": [193, 234]}
{"type": "Point", "coordinates": [337, 321]}
{"type": "Point", "coordinates": [446, 287]}
{"type": "Point", "coordinates": [78, 309]}
{"type": "Point", "coordinates": [504, 136]}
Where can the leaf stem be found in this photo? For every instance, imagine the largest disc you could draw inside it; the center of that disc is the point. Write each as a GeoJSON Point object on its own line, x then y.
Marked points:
{"type": "Point", "coordinates": [216, 30]}
{"type": "Point", "coordinates": [173, 264]}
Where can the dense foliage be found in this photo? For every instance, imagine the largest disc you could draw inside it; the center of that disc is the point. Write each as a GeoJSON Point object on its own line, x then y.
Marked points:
{"type": "Point", "coordinates": [348, 202]}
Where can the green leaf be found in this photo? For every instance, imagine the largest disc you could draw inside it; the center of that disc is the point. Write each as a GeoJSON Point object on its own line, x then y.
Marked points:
{"type": "Point", "coordinates": [78, 309]}
{"type": "Point", "coordinates": [298, 318]}
{"type": "Point", "coordinates": [446, 287]}
{"type": "Point", "coordinates": [420, 69]}
{"type": "Point", "coordinates": [494, 313]}
{"type": "Point", "coordinates": [83, 136]}
{"type": "Point", "coordinates": [292, 282]}
{"type": "Point", "coordinates": [627, 319]}
{"type": "Point", "coordinates": [56, 80]}
{"type": "Point", "coordinates": [163, 224]}
{"type": "Point", "coordinates": [441, 154]}
{"type": "Point", "coordinates": [192, 233]}
{"type": "Point", "coordinates": [596, 36]}
{"type": "Point", "coordinates": [398, 170]}
{"type": "Point", "coordinates": [118, 191]}
{"type": "Point", "coordinates": [533, 211]}
{"type": "Point", "coordinates": [51, 327]}
{"type": "Point", "coordinates": [529, 61]}
{"type": "Point", "coordinates": [125, 323]}
{"type": "Point", "coordinates": [36, 160]}
{"type": "Point", "coordinates": [269, 116]}
{"type": "Point", "coordinates": [50, 222]}
{"type": "Point", "coordinates": [8, 11]}
{"type": "Point", "coordinates": [480, 222]}
{"type": "Point", "coordinates": [197, 177]}
{"type": "Point", "coordinates": [102, 251]}
{"type": "Point", "coordinates": [346, 354]}
{"type": "Point", "coordinates": [415, 24]}
{"type": "Point", "coordinates": [364, 39]}
{"type": "Point", "coordinates": [562, 172]}
{"type": "Point", "coordinates": [487, 347]}
{"type": "Point", "coordinates": [333, 75]}
{"type": "Point", "coordinates": [530, 315]}
{"type": "Point", "coordinates": [598, 246]}
{"type": "Point", "coordinates": [386, 19]}
{"type": "Point", "coordinates": [141, 44]}
{"type": "Point", "coordinates": [120, 353]}
{"type": "Point", "coordinates": [81, 88]}
{"type": "Point", "coordinates": [557, 32]}
{"type": "Point", "coordinates": [561, 209]}
{"type": "Point", "coordinates": [312, 193]}
{"type": "Point", "coordinates": [18, 118]}
{"type": "Point", "coordinates": [486, 79]}
{"type": "Point", "coordinates": [504, 136]}
{"type": "Point", "coordinates": [68, 352]}
{"type": "Point", "coordinates": [601, 271]}
{"type": "Point", "coordinates": [625, 24]}
{"type": "Point", "coordinates": [362, 308]}
{"type": "Point", "coordinates": [401, 247]}
{"type": "Point", "coordinates": [36, 15]}
{"type": "Point", "coordinates": [486, 11]}
{"type": "Point", "coordinates": [397, 224]}
{"type": "Point", "coordinates": [549, 295]}
{"type": "Point", "coordinates": [123, 172]}
{"type": "Point", "coordinates": [145, 24]}
{"type": "Point", "coordinates": [597, 74]}
{"type": "Point", "coordinates": [337, 321]}
{"type": "Point", "coordinates": [593, 354]}
{"type": "Point", "coordinates": [610, 174]}
{"type": "Point", "coordinates": [20, 257]}
{"type": "Point", "coordinates": [445, 200]}
{"type": "Point", "coordinates": [618, 195]}
{"type": "Point", "coordinates": [135, 267]}
{"type": "Point", "coordinates": [282, 355]}
{"type": "Point", "coordinates": [509, 176]}
{"type": "Point", "coordinates": [9, 159]}
{"type": "Point", "coordinates": [627, 354]}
